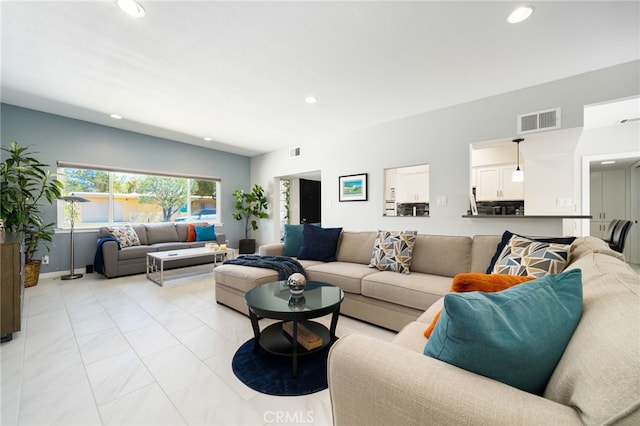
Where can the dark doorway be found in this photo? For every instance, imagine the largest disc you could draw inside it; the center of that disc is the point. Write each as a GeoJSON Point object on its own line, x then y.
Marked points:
{"type": "Point", "coordinates": [310, 202]}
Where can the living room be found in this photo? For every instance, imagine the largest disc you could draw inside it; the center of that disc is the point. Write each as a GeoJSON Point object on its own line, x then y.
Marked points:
{"type": "Point", "coordinates": [440, 135]}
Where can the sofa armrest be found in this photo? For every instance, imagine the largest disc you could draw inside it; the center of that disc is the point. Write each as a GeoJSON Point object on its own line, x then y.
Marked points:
{"type": "Point", "coordinates": [110, 259]}
{"type": "Point", "coordinates": [378, 383]}
{"type": "Point", "coordinates": [275, 249]}
{"type": "Point", "coordinates": [221, 238]}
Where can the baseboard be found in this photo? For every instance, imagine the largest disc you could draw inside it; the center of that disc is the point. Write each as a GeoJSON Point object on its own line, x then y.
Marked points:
{"type": "Point", "coordinates": [58, 274]}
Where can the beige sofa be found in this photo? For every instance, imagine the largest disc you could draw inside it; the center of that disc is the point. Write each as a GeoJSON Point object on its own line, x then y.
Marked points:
{"type": "Point", "coordinates": [596, 382]}
{"type": "Point", "coordinates": [385, 298]}
{"type": "Point", "coordinates": [153, 237]}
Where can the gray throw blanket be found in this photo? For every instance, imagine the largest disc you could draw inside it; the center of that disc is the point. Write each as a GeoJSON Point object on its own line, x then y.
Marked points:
{"type": "Point", "coordinates": [285, 266]}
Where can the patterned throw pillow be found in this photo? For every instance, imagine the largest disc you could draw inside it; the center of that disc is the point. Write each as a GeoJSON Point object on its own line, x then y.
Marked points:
{"type": "Point", "coordinates": [125, 235]}
{"type": "Point", "coordinates": [523, 256]}
{"type": "Point", "coordinates": [393, 251]}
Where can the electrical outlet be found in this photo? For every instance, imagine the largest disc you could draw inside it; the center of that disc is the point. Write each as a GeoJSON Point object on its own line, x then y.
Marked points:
{"type": "Point", "coordinates": [45, 260]}
{"type": "Point", "coordinates": [441, 200]}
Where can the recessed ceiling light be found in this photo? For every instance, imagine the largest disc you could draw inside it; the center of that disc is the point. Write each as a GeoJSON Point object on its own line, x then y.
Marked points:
{"type": "Point", "coordinates": [311, 99]}
{"type": "Point", "coordinates": [608, 162]}
{"type": "Point", "coordinates": [116, 116]}
{"type": "Point", "coordinates": [131, 7]}
{"type": "Point", "coordinates": [520, 14]}
{"type": "Point", "coordinates": [207, 139]}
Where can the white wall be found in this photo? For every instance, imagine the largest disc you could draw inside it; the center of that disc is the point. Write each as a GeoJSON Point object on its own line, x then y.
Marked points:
{"type": "Point", "coordinates": [441, 138]}
{"type": "Point", "coordinates": [549, 172]}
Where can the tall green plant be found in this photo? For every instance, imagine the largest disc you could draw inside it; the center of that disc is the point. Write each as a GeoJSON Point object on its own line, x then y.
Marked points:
{"type": "Point", "coordinates": [250, 205]}
{"type": "Point", "coordinates": [24, 187]}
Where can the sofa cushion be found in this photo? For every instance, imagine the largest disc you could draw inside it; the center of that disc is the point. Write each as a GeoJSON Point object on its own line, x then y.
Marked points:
{"type": "Point", "coordinates": [347, 276]}
{"type": "Point", "coordinates": [161, 233]}
{"type": "Point", "coordinates": [523, 256]}
{"type": "Point", "coordinates": [141, 232]}
{"type": "Point", "coordinates": [125, 235]}
{"type": "Point", "coordinates": [243, 278]}
{"type": "Point", "coordinates": [416, 291]}
{"type": "Point", "coordinates": [516, 336]}
{"type": "Point", "coordinates": [506, 237]}
{"type": "Point", "coordinates": [319, 243]}
{"type": "Point", "coordinates": [488, 283]}
{"type": "Point", "coordinates": [355, 247]}
{"type": "Point", "coordinates": [393, 251]}
{"type": "Point", "coordinates": [175, 245]}
{"type": "Point", "coordinates": [483, 247]}
{"type": "Point", "coordinates": [135, 252]}
{"type": "Point", "coordinates": [442, 255]}
{"type": "Point", "coordinates": [205, 233]}
{"type": "Point", "coordinates": [182, 229]}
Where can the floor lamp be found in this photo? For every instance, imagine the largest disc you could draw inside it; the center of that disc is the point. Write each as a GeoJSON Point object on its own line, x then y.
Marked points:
{"type": "Point", "coordinates": [73, 203]}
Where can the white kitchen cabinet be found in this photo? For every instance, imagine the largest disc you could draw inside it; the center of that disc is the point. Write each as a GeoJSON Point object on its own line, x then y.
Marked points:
{"type": "Point", "coordinates": [412, 186]}
{"type": "Point", "coordinates": [608, 199]}
{"type": "Point", "coordinates": [494, 183]}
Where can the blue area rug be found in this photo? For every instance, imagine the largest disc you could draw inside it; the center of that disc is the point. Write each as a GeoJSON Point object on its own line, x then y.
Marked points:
{"type": "Point", "coordinates": [271, 374]}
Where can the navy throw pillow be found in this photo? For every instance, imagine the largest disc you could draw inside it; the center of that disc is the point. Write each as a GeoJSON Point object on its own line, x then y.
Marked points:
{"type": "Point", "coordinates": [319, 243]}
{"type": "Point", "coordinates": [506, 236]}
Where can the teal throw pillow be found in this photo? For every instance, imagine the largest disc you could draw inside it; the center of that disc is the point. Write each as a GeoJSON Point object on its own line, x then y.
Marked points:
{"type": "Point", "coordinates": [319, 243]}
{"type": "Point", "coordinates": [292, 240]}
{"type": "Point", "coordinates": [516, 336]}
{"type": "Point", "coordinates": [205, 233]}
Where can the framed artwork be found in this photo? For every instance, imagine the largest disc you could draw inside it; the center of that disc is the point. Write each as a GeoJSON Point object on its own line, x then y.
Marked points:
{"type": "Point", "coordinates": [352, 187]}
{"type": "Point", "coordinates": [472, 201]}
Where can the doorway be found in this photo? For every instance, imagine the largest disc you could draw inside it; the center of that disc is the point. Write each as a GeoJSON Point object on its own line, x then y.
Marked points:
{"type": "Point", "coordinates": [310, 201]}
{"type": "Point", "coordinates": [615, 183]}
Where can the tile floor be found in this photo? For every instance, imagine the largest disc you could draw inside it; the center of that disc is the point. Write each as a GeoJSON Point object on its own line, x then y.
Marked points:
{"type": "Point", "coordinates": [128, 352]}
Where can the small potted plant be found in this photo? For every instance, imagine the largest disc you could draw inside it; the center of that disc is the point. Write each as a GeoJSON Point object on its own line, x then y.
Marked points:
{"type": "Point", "coordinates": [250, 207]}
{"type": "Point", "coordinates": [25, 185]}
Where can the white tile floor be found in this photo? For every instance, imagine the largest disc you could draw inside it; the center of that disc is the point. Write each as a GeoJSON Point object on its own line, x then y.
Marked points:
{"type": "Point", "coordinates": [128, 352]}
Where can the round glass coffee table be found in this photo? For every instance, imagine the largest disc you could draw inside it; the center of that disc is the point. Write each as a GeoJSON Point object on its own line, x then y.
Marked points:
{"type": "Point", "coordinates": [275, 301]}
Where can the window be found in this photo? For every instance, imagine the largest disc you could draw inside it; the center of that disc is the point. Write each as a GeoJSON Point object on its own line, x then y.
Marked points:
{"type": "Point", "coordinates": [118, 196]}
{"type": "Point", "coordinates": [285, 203]}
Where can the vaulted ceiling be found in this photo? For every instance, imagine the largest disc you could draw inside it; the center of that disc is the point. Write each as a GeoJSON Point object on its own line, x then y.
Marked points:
{"type": "Point", "coordinates": [238, 72]}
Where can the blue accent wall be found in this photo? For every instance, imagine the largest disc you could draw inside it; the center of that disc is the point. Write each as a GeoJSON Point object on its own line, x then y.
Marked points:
{"type": "Point", "coordinates": [58, 138]}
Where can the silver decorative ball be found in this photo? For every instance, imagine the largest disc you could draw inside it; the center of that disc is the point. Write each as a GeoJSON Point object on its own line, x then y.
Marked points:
{"type": "Point", "coordinates": [296, 283]}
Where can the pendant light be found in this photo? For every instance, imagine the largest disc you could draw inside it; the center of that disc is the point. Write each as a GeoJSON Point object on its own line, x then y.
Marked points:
{"type": "Point", "coordinates": [518, 175]}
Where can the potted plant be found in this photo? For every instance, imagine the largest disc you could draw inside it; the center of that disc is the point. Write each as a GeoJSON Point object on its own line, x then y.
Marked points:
{"type": "Point", "coordinates": [250, 206]}
{"type": "Point", "coordinates": [25, 185]}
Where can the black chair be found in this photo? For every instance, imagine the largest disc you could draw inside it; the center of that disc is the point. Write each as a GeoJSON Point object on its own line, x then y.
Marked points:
{"type": "Point", "coordinates": [608, 234]}
{"type": "Point", "coordinates": [619, 237]}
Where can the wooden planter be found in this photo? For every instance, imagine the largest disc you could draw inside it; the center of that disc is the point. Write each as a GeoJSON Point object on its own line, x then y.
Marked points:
{"type": "Point", "coordinates": [247, 246]}
{"type": "Point", "coordinates": [31, 273]}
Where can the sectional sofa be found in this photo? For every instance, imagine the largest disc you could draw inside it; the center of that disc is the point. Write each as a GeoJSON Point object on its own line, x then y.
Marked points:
{"type": "Point", "coordinates": [596, 381]}
{"type": "Point", "coordinates": [385, 298]}
{"type": "Point", "coordinates": [152, 237]}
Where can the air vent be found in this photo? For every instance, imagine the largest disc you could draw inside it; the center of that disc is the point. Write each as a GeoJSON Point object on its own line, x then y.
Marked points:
{"type": "Point", "coordinates": [294, 152]}
{"type": "Point", "coordinates": [539, 121]}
